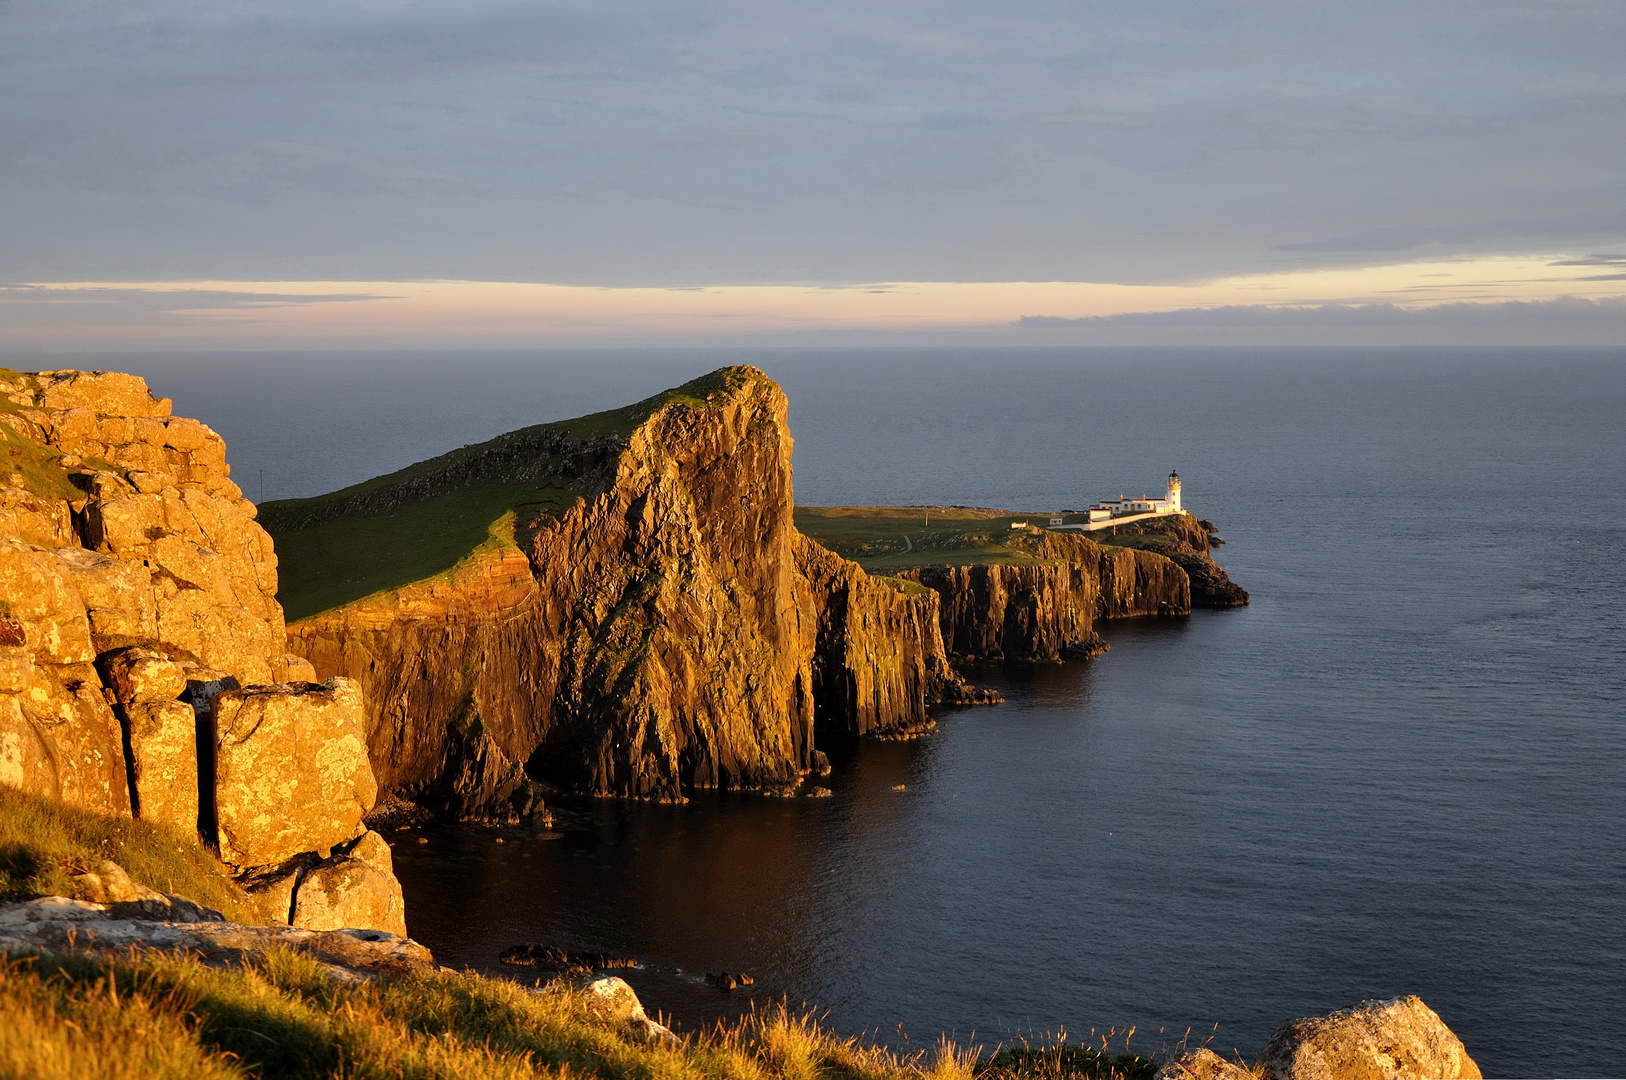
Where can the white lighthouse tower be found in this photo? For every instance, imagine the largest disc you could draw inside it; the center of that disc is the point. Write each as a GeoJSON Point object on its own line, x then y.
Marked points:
{"type": "Point", "coordinates": [1171, 505]}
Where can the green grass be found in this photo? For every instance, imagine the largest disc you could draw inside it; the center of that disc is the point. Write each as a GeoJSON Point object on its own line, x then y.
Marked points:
{"type": "Point", "coordinates": [1065, 1060]}
{"type": "Point", "coordinates": [39, 465]}
{"type": "Point", "coordinates": [889, 538]}
{"type": "Point", "coordinates": [282, 1016]}
{"type": "Point", "coordinates": [44, 842]}
{"type": "Point", "coordinates": [343, 559]}
{"type": "Point", "coordinates": [882, 538]}
{"type": "Point", "coordinates": [423, 520]}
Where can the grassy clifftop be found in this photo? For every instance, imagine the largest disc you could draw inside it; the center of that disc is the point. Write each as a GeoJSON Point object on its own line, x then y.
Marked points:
{"type": "Point", "coordinates": [885, 538]}
{"type": "Point", "coordinates": [423, 520]}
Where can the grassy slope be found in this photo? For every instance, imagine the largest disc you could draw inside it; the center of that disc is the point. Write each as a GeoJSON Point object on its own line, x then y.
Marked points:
{"type": "Point", "coordinates": [353, 555]}
{"type": "Point", "coordinates": [39, 466]}
{"type": "Point", "coordinates": [874, 536]}
{"type": "Point", "coordinates": [283, 1016]}
{"type": "Point", "coordinates": [43, 843]}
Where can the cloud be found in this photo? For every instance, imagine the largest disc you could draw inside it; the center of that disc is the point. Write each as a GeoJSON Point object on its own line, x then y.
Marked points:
{"type": "Point", "coordinates": [1562, 312]}
{"type": "Point", "coordinates": [676, 141]}
{"type": "Point", "coordinates": [172, 298]}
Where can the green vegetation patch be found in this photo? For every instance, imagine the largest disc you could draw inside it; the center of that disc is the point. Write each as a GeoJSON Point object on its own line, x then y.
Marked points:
{"type": "Point", "coordinates": [421, 521]}
{"type": "Point", "coordinates": [1065, 1061]}
{"type": "Point", "coordinates": [39, 466]}
{"type": "Point", "coordinates": [44, 842]}
{"type": "Point", "coordinates": [342, 559]}
{"type": "Point", "coordinates": [882, 538]}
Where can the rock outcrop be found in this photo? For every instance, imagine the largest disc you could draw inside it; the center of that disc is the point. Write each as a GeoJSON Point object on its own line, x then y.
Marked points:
{"type": "Point", "coordinates": [143, 655]}
{"type": "Point", "coordinates": [291, 769]}
{"type": "Point", "coordinates": [1046, 610]}
{"type": "Point", "coordinates": [1188, 542]}
{"type": "Point", "coordinates": [58, 924]}
{"type": "Point", "coordinates": [1401, 1039]}
{"type": "Point", "coordinates": [1203, 1064]}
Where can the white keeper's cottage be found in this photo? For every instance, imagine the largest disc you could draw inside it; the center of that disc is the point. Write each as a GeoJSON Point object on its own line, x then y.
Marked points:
{"type": "Point", "coordinates": [1107, 509]}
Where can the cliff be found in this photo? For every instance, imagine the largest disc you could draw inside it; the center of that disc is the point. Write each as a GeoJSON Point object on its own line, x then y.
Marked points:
{"type": "Point", "coordinates": [1188, 542]}
{"type": "Point", "coordinates": [641, 618]}
{"type": "Point", "coordinates": [1046, 609]}
{"type": "Point", "coordinates": [143, 660]}
{"type": "Point", "coordinates": [1010, 590]}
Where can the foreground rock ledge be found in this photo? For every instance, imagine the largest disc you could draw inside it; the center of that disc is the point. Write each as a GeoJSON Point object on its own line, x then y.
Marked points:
{"type": "Point", "coordinates": [58, 924]}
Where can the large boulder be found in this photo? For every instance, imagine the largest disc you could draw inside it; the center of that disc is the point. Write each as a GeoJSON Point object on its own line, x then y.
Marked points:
{"type": "Point", "coordinates": [291, 770]}
{"type": "Point", "coordinates": [355, 890]}
{"type": "Point", "coordinates": [1401, 1039]}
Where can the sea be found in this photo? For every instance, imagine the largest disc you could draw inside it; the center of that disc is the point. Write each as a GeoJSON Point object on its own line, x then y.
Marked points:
{"type": "Point", "coordinates": [1400, 770]}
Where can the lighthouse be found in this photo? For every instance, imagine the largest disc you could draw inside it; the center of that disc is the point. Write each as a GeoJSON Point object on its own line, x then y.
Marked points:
{"type": "Point", "coordinates": [1171, 505]}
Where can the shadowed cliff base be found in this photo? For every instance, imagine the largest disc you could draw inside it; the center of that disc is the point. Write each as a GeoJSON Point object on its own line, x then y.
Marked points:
{"type": "Point", "coordinates": [623, 605]}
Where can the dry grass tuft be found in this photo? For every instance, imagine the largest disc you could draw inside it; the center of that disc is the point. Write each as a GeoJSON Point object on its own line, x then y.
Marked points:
{"type": "Point", "coordinates": [44, 842]}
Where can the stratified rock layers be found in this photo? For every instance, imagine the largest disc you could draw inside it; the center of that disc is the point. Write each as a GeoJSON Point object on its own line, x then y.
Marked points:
{"type": "Point", "coordinates": [673, 630]}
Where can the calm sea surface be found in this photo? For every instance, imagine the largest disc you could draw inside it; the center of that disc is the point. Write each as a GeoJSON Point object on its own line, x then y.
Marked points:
{"type": "Point", "coordinates": [1399, 771]}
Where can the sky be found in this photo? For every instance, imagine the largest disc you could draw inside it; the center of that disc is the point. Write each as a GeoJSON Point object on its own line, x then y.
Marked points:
{"type": "Point", "coordinates": [255, 173]}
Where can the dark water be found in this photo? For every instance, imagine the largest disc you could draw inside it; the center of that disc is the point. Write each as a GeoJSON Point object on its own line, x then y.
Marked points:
{"type": "Point", "coordinates": [1399, 771]}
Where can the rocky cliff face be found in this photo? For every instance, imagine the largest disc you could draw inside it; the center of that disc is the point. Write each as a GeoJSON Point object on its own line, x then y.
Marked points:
{"type": "Point", "coordinates": [670, 630]}
{"type": "Point", "coordinates": [1187, 541]}
{"type": "Point", "coordinates": [143, 662]}
{"type": "Point", "coordinates": [1047, 610]}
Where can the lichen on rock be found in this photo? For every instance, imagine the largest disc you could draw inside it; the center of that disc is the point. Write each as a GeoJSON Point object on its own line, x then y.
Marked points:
{"type": "Point", "coordinates": [136, 589]}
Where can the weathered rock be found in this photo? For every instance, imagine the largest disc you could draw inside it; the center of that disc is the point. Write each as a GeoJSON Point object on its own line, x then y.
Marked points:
{"type": "Point", "coordinates": [353, 890]}
{"type": "Point", "coordinates": [1203, 1064]}
{"type": "Point", "coordinates": [1211, 587]}
{"type": "Point", "coordinates": [164, 761]}
{"type": "Point", "coordinates": [1401, 1039]}
{"type": "Point", "coordinates": [58, 737]}
{"type": "Point", "coordinates": [110, 884]}
{"type": "Point", "coordinates": [878, 658]}
{"type": "Point", "coordinates": [127, 546]}
{"type": "Point", "coordinates": [611, 997]}
{"type": "Point", "coordinates": [58, 924]}
{"type": "Point", "coordinates": [298, 669]}
{"type": "Point", "coordinates": [118, 595]}
{"type": "Point", "coordinates": [291, 770]}
{"type": "Point", "coordinates": [272, 887]}
{"type": "Point", "coordinates": [40, 596]}
{"type": "Point", "coordinates": [137, 674]}
{"type": "Point", "coordinates": [557, 959]}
